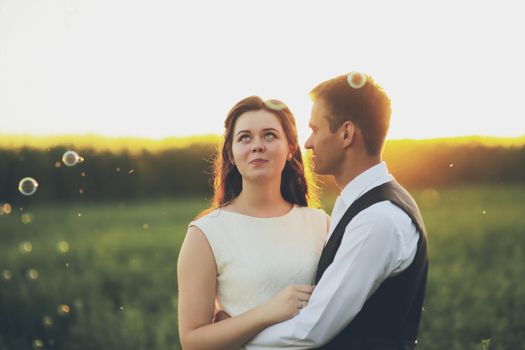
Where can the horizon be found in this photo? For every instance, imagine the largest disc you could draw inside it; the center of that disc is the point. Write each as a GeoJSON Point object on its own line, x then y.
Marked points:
{"type": "Point", "coordinates": [98, 141]}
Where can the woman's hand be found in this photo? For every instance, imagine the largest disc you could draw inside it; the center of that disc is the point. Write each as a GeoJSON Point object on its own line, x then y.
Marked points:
{"type": "Point", "coordinates": [287, 303]}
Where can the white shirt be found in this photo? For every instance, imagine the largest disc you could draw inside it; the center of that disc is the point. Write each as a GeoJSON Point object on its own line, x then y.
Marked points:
{"type": "Point", "coordinates": [380, 241]}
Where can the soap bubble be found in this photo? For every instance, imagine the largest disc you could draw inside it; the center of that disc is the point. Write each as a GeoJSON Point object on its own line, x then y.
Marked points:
{"type": "Point", "coordinates": [356, 80]}
{"type": "Point", "coordinates": [27, 186]}
{"type": "Point", "coordinates": [71, 158]}
{"type": "Point", "coordinates": [276, 105]}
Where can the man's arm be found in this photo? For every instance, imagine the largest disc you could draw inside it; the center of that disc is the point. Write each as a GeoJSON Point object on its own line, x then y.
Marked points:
{"type": "Point", "coordinates": [367, 256]}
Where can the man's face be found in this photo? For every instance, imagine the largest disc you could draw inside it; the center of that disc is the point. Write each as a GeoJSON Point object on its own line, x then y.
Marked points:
{"type": "Point", "coordinates": [327, 147]}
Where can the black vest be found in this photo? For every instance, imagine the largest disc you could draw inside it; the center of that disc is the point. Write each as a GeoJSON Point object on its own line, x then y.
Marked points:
{"type": "Point", "coordinates": [389, 319]}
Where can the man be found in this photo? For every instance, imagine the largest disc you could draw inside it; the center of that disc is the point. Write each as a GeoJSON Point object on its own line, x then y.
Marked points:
{"type": "Point", "coordinates": [372, 274]}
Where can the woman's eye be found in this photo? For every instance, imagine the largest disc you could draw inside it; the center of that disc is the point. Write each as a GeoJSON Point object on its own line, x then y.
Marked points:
{"type": "Point", "coordinates": [269, 136]}
{"type": "Point", "coordinates": [244, 138]}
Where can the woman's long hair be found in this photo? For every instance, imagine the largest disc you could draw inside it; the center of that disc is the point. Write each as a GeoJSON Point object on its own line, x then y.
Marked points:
{"type": "Point", "coordinates": [297, 182]}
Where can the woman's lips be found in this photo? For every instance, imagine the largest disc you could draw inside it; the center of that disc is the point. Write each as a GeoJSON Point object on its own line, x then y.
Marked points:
{"type": "Point", "coordinates": [258, 161]}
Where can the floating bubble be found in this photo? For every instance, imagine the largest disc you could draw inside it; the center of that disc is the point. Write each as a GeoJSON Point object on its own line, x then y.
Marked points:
{"type": "Point", "coordinates": [38, 344]}
{"type": "Point", "coordinates": [63, 309]}
{"type": "Point", "coordinates": [484, 212]}
{"type": "Point", "coordinates": [7, 275]}
{"type": "Point", "coordinates": [356, 80]}
{"type": "Point", "coordinates": [5, 209]}
{"type": "Point", "coordinates": [122, 307]}
{"type": "Point", "coordinates": [27, 186]}
{"type": "Point", "coordinates": [79, 214]}
{"type": "Point", "coordinates": [47, 321]}
{"type": "Point", "coordinates": [117, 169]}
{"type": "Point", "coordinates": [131, 171]}
{"type": "Point", "coordinates": [145, 226]}
{"type": "Point", "coordinates": [66, 264]}
{"type": "Point", "coordinates": [81, 190]}
{"type": "Point", "coordinates": [71, 158]}
{"type": "Point", "coordinates": [26, 218]}
{"type": "Point", "coordinates": [276, 105]}
{"type": "Point", "coordinates": [63, 247]}
{"type": "Point", "coordinates": [58, 164]}
{"type": "Point", "coordinates": [83, 174]}
{"type": "Point", "coordinates": [451, 165]}
{"type": "Point", "coordinates": [25, 247]}
{"type": "Point", "coordinates": [32, 274]}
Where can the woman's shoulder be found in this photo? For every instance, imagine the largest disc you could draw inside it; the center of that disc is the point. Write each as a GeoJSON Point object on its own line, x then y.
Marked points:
{"type": "Point", "coordinates": [315, 213]}
{"type": "Point", "coordinates": [208, 218]}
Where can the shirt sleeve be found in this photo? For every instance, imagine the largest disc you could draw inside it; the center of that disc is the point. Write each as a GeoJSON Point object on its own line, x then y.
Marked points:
{"type": "Point", "coordinates": [366, 257]}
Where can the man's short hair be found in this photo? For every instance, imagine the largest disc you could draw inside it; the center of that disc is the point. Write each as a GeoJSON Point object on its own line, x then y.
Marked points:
{"type": "Point", "coordinates": [357, 98]}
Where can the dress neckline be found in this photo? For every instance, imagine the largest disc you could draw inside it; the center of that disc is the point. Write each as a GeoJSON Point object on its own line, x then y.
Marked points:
{"type": "Point", "coordinates": [260, 218]}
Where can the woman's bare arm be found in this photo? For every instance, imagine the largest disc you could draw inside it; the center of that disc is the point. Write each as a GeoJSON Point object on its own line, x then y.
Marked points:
{"type": "Point", "coordinates": [197, 280]}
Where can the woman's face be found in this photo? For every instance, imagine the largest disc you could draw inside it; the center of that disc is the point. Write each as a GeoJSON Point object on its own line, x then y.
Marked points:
{"type": "Point", "coordinates": [259, 146]}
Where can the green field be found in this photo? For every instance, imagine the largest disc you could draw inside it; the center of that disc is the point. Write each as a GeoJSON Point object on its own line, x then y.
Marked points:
{"type": "Point", "coordinates": [103, 276]}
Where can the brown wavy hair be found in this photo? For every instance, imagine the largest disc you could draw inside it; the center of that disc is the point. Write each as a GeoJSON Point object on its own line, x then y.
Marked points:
{"type": "Point", "coordinates": [297, 180]}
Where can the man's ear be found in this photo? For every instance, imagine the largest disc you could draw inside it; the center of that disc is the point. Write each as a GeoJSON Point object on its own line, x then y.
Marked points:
{"type": "Point", "coordinates": [348, 130]}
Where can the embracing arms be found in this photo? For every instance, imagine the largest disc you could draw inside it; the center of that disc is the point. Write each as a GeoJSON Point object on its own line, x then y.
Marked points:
{"type": "Point", "coordinates": [197, 281]}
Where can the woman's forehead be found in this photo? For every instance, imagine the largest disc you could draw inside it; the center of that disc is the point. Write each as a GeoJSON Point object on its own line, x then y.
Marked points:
{"type": "Point", "coordinates": [257, 120]}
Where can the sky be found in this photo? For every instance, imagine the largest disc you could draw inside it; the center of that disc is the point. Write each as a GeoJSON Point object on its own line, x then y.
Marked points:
{"type": "Point", "coordinates": [174, 68]}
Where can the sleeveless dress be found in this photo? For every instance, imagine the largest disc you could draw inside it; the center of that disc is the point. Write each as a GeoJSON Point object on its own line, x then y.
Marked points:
{"type": "Point", "coordinates": [258, 257]}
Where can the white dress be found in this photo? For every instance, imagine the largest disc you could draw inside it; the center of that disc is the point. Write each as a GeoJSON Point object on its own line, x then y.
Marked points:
{"type": "Point", "coordinates": [258, 257]}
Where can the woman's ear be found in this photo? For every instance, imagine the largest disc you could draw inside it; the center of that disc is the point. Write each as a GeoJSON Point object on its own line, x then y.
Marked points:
{"type": "Point", "coordinates": [291, 152]}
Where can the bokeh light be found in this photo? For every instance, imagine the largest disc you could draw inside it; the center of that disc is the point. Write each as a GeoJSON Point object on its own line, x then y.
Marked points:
{"type": "Point", "coordinates": [7, 275]}
{"type": "Point", "coordinates": [27, 218]}
{"type": "Point", "coordinates": [38, 344]}
{"type": "Point", "coordinates": [5, 209]}
{"type": "Point", "coordinates": [63, 309]}
{"type": "Point", "coordinates": [25, 247]}
{"type": "Point", "coordinates": [63, 247]}
{"type": "Point", "coordinates": [32, 274]}
{"type": "Point", "coordinates": [47, 321]}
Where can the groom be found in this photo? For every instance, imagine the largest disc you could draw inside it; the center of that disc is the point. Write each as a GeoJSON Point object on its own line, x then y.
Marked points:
{"type": "Point", "coordinates": [372, 274]}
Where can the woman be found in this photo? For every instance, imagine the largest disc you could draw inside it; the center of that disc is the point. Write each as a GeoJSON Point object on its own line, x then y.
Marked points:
{"type": "Point", "coordinates": [253, 254]}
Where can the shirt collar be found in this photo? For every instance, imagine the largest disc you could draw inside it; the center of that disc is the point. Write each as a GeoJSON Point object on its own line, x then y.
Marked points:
{"type": "Point", "coordinates": [370, 178]}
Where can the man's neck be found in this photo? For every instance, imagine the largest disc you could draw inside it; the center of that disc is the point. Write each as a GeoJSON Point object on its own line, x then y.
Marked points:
{"type": "Point", "coordinates": [352, 169]}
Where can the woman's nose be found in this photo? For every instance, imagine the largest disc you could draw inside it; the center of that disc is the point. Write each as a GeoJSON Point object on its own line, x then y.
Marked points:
{"type": "Point", "coordinates": [257, 148]}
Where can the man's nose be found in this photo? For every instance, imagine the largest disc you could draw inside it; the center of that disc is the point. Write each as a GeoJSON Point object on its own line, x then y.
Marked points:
{"type": "Point", "coordinates": [308, 143]}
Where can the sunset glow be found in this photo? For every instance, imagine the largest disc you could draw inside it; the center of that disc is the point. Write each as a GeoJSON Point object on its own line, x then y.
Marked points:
{"type": "Point", "coordinates": [163, 68]}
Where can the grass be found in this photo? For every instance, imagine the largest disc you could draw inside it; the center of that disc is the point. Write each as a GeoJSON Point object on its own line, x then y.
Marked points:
{"type": "Point", "coordinates": [118, 277]}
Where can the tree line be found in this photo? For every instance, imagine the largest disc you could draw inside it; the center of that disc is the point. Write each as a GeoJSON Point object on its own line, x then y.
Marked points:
{"type": "Point", "coordinates": [186, 171]}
